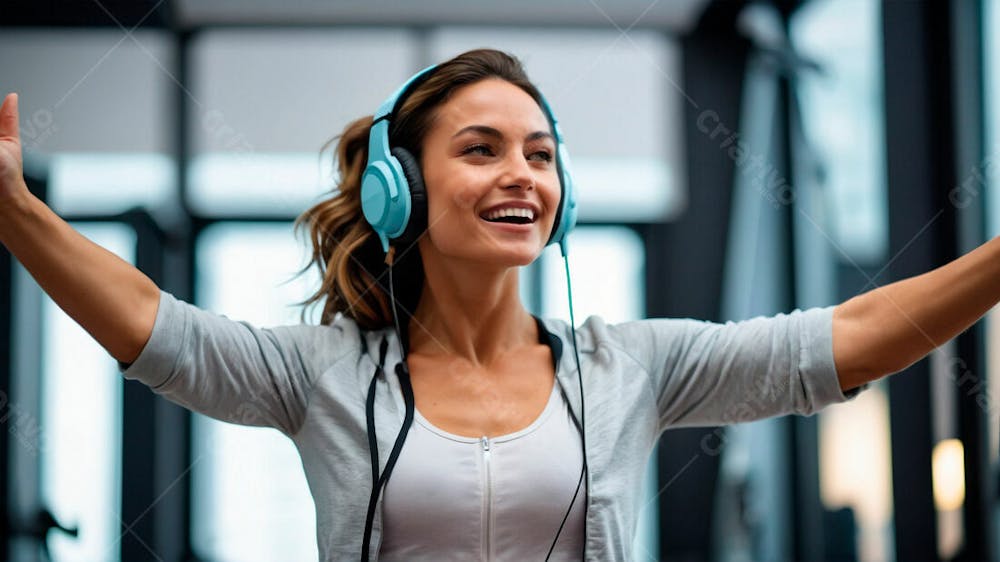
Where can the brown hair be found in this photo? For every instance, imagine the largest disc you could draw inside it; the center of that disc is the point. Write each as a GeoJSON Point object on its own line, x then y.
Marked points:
{"type": "Point", "coordinates": [345, 248]}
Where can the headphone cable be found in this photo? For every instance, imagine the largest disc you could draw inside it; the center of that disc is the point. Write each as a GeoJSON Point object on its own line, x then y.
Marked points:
{"type": "Point", "coordinates": [583, 433]}
{"type": "Point", "coordinates": [402, 373]}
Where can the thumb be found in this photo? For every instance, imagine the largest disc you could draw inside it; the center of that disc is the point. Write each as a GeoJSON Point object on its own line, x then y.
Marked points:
{"type": "Point", "coordinates": [8, 117]}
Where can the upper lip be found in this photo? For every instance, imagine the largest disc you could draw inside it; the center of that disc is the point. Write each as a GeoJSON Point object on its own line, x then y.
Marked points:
{"type": "Point", "coordinates": [513, 204]}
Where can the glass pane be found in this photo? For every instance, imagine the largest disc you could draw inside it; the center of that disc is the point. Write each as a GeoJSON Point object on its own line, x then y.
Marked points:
{"type": "Point", "coordinates": [85, 90]}
{"type": "Point", "coordinates": [85, 183]}
{"type": "Point", "coordinates": [95, 113]}
{"type": "Point", "coordinates": [842, 111]}
{"type": "Point", "coordinates": [856, 469]}
{"type": "Point", "coordinates": [81, 452]}
{"type": "Point", "coordinates": [266, 101]}
{"type": "Point", "coordinates": [250, 499]}
{"type": "Point", "coordinates": [607, 268]}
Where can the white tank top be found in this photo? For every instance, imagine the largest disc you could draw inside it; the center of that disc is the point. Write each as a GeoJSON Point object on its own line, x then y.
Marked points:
{"type": "Point", "coordinates": [476, 498]}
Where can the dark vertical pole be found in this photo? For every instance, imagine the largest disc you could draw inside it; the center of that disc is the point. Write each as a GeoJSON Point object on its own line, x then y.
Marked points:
{"type": "Point", "coordinates": [180, 257]}
{"type": "Point", "coordinates": [806, 533]}
{"type": "Point", "coordinates": [165, 488]}
{"type": "Point", "coordinates": [7, 460]}
{"type": "Point", "coordinates": [156, 434]}
{"type": "Point", "coordinates": [6, 368]}
{"type": "Point", "coordinates": [968, 204]}
{"type": "Point", "coordinates": [24, 524]}
{"type": "Point", "coordinates": [684, 264]}
{"type": "Point", "coordinates": [806, 509]}
{"type": "Point", "coordinates": [919, 165]}
{"type": "Point", "coordinates": [141, 511]}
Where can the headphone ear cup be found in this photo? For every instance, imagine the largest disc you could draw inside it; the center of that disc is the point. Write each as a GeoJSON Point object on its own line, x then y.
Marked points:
{"type": "Point", "coordinates": [418, 195]}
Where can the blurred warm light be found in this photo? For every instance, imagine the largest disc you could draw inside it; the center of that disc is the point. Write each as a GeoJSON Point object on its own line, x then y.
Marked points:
{"type": "Point", "coordinates": [949, 475]}
{"type": "Point", "coordinates": [855, 468]}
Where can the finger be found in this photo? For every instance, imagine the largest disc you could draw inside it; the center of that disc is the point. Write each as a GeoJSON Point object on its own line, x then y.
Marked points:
{"type": "Point", "coordinates": [8, 117]}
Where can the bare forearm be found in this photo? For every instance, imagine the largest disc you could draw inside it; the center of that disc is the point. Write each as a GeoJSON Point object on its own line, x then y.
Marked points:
{"type": "Point", "coordinates": [115, 302]}
{"type": "Point", "coordinates": [889, 328]}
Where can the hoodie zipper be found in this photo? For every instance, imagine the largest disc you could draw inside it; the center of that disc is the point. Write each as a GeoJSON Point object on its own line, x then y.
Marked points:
{"type": "Point", "coordinates": [488, 506]}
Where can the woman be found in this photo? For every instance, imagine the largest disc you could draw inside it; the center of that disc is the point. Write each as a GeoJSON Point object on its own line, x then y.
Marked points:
{"type": "Point", "coordinates": [493, 466]}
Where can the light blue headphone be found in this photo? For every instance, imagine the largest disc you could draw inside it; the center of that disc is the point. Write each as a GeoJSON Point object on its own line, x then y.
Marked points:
{"type": "Point", "coordinates": [393, 197]}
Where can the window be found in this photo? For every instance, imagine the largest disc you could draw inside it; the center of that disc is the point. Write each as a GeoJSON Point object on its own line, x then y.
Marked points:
{"type": "Point", "coordinates": [250, 499]}
{"type": "Point", "coordinates": [260, 153]}
{"type": "Point", "coordinates": [80, 450]}
{"type": "Point", "coordinates": [842, 114]}
{"type": "Point", "coordinates": [104, 152]}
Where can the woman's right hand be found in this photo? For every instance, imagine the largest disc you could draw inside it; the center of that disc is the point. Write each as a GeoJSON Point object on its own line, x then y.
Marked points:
{"type": "Point", "coordinates": [11, 163]}
{"type": "Point", "coordinates": [115, 302]}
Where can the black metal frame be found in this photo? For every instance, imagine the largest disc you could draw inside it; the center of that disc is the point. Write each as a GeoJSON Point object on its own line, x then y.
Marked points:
{"type": "Point", "coordinates": [969, 115]}
{"type": "Point", "coordinates": [934, 126]}
{"type": "Point", "coordinates": [6, 368]}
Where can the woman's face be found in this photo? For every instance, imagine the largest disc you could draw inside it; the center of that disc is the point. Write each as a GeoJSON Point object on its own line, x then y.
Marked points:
{"type": "Point", "coordinates": [490, 150]}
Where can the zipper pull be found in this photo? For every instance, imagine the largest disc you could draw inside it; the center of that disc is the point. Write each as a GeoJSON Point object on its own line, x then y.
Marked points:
{"type": "Point", "coordinates": [486, 442]}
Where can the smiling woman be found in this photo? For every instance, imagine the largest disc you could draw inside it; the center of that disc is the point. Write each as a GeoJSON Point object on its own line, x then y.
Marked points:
{"type": "Point", "coordinates": [466, 163]}
{"type": "Point", "coordinates": [474, 165]}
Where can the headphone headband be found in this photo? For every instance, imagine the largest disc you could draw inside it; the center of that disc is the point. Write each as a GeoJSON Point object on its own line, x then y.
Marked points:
{"type": "Point", "coordinates": [388, 107]}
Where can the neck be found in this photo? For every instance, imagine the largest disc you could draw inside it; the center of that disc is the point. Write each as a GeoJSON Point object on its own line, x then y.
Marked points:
{"type": "Point", "coordinates": [470, 311]}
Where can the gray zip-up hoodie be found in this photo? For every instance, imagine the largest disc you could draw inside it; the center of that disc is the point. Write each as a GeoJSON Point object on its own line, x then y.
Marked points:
{"type": "Point", "coordinates": [640, 378]}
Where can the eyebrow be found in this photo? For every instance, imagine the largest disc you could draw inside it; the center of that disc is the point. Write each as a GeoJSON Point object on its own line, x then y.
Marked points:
{"type": "Point", "coordinates": [491, 132]}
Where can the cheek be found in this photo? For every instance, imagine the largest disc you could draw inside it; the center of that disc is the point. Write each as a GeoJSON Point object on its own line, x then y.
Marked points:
{"type": "Point", "coordinates": [453, 207]}
{"type": "Point", "coordinates": [465, 199]}
{"type": "Point", "coordinates": [457, 193]}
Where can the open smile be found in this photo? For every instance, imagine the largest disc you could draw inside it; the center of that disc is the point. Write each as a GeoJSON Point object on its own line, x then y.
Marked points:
{"type": "Point", "coordinates": [511, 217]}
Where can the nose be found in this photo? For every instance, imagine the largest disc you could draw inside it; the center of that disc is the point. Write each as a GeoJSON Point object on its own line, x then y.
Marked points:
{"type": "Point", "coordinates": [517, 172]}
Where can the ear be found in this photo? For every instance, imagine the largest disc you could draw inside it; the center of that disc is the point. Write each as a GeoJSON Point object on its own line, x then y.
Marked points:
{"type": "Point", "coordinates": [418, 195]}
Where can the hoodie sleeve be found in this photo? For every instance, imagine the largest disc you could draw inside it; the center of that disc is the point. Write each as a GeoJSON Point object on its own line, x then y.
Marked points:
{"type": "Point", "coordinates": [233, 371]}
{"type": "Point", "coordinates": [705, 373]}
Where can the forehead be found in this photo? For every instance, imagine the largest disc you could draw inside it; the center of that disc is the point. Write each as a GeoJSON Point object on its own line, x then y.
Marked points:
{"type": "Point", "coordinates": [494, 102]}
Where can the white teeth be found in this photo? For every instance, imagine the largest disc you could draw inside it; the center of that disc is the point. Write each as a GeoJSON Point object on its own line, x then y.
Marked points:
{"type": "Point", "coordinates": [510, 212]}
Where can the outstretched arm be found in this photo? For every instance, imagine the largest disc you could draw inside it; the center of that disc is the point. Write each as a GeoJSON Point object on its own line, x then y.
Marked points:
{"type": "Point", "coordinates": [889, 328]}
{"type": "Point", "coordinates": [115, 302]}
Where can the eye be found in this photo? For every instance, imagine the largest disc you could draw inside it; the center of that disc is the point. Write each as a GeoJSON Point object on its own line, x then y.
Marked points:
{"type": "Point", "coordinates": [480, 149]}
{"type": "Point", "coordinates": [542, 155]}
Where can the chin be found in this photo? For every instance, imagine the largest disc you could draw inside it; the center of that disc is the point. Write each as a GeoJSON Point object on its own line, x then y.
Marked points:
{"type": "Point", "coordinates": [493, 250]}
{"type": "Point", "coordinates": [521, 260]}
{"type": "Point", "coordinates": [511, 256]}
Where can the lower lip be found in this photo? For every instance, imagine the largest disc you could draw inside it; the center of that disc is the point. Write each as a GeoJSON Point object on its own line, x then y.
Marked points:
{"type": "Point", "coordinates": [511, 227]}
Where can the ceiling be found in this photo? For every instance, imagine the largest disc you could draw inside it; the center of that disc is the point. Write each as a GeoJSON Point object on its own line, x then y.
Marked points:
{"type": "Point", "coordinates": [675, 16]}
